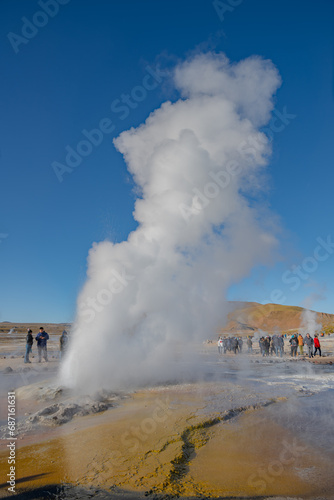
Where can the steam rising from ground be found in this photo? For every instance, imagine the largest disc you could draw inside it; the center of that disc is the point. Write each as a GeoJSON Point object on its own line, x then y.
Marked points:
{"type": "Point", "coordinates": [310, 323]}
{"type": "Point", "coordinates": [198, 164]}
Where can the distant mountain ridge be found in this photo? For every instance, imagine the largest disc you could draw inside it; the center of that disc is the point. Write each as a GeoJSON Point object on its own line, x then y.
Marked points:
{"type": "Point", "coordinates": [244, 318]}
{"type": "Point", "coordinates": [249, 317]}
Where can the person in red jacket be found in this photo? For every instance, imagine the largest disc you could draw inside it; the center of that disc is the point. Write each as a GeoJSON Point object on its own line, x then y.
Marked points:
{"type": "Point", "coordinates": [316, 345]}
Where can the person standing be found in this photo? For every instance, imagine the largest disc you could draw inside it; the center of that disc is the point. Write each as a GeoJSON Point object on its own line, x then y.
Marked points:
{"type": "Point", "coordinates": [29, 343]}
{"type": "Point", "coordinates": [301, 344]}
{"type": "Point", "coordinates": [277, 345]}
{"type": "Point", "coordinates": [42, 337]}
{"type": "Point", "coordinates": [308, 341]}
{"type": "Point", "coordinates": [272, 347]}
{"type": "Point", "coordinates": [64, 340]}
{"type": "Point", "coordinates": [316, 342]}
{"type": "Point", "coordinates": [267, 345]}
{"type": "Point", "coordinates": [249, 345]}
{"type": "Point", "coordinates": [294, 345]}
{"type": "Point", "coordinates": [234, 344]}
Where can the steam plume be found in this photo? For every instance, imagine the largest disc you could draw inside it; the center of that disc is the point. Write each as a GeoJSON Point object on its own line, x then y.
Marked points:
{"type": "Point", "coordinates": [198, 163]}
{"type": "Point", "coordinates": [309, 323]}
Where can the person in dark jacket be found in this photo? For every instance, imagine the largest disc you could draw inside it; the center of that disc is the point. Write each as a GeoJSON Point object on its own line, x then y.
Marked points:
{"type": "Point", "coordinates": [272, 347]}
{"type": "Point", "coordinates": [308, 341]}
{"type": "Point", "coordinates": [266, 344]}
{"type": "Point", "coordinates": [63, 341]}
{"type": "Point", "coordinates": [249, 345]}
{"type": "Point", "coordinates": [42, 337]}
{"type": "Point", "coordinates": [316, 342]}
{"type": "Point", "coordinates": [29, 343]}
{"type": "Point", "coordinates": [277, 345]}
{"type": "Point", "coordinates": [294, 345]}
{"type": "Point", "coordinates": [234, 344]}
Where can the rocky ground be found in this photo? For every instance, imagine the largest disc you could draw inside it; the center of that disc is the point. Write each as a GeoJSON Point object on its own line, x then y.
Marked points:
{"type": "Point", "coordinates": [237, 432]}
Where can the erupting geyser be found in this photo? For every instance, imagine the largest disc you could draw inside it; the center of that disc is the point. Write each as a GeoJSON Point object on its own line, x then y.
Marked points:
{"type": "Point", "coordinates": [198, 163]}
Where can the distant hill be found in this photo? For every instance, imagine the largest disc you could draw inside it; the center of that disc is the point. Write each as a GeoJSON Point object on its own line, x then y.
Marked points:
{"type": "Point", "coordinates": [244, 318]}
{"type": "Point", "coordinates": [248, 317]}
{"type": "Point", "coordinates": [21, 328]}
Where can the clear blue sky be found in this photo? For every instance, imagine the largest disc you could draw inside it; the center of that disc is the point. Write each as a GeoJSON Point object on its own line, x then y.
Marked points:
{"type": "Point", "coordinates": [64, 78]}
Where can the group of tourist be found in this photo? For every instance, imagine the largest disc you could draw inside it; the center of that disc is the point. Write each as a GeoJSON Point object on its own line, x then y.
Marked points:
{"type": "Point", "coordinates": [312, 345]}
{"type": "Point", "coordinates": [271, 345]}
{"type": "Point", "coordinates": [42, 338]}
{"type": "Point", "coordinates": [233, 344]}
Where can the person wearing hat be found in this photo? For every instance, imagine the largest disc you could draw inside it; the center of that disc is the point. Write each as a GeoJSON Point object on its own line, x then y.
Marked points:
{"type": "Point", "coordinates": [29, 343]}
{"type": "Point", "coordinates": [294, 345]}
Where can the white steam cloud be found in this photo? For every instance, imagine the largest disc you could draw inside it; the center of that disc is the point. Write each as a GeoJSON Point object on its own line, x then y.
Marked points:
{"type": "Point", "coordinates": [309, 323]}
{"type": "Point", "coordinates": [198, 164]}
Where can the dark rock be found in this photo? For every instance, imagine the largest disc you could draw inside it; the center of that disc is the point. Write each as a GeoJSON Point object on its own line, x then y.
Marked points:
{"type": "Point", "coordinates": [49, 410]}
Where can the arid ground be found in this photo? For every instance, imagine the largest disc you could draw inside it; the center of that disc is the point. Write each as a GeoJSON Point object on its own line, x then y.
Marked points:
{"type": "Point", "coordinates": [243, 427]}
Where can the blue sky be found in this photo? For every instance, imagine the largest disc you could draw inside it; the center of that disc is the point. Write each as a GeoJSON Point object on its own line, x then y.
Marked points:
{"type": "Point", "coordinates": [65, 78]}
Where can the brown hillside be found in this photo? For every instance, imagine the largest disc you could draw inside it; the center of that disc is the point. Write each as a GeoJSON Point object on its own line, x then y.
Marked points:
{"type": "Point", "coordinates": [250, 317]}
